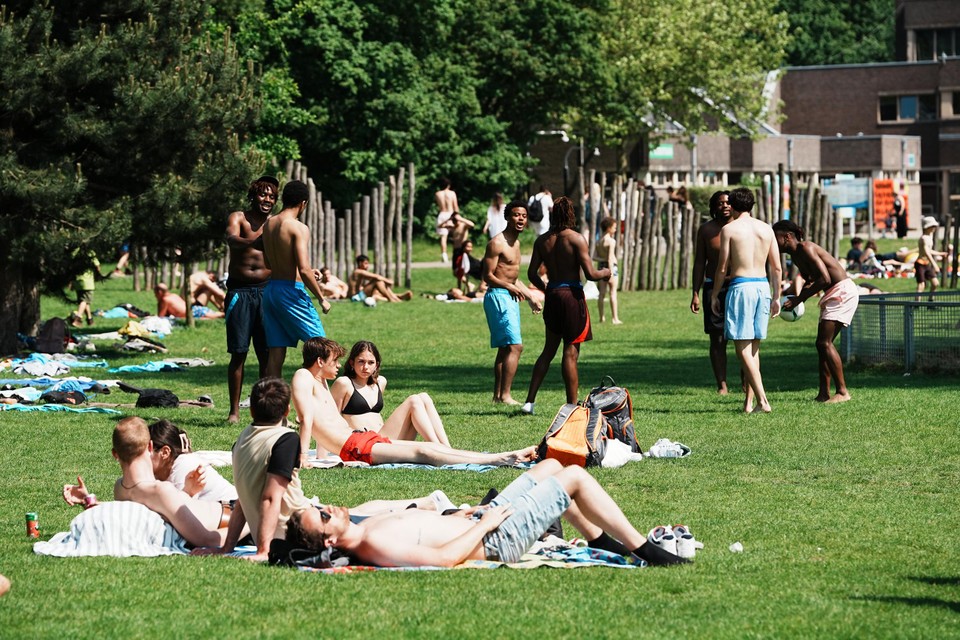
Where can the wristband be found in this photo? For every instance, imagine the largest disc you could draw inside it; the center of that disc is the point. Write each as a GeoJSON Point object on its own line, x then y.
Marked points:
{"type": "Point", "coordinates": [90, 500]}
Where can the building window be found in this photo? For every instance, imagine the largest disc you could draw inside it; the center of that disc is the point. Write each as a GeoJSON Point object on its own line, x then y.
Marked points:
{"type": "Point", "coordinates": [933, 43]}
{"type": "Point", "coordinates": [908, 108]}
{"type": "Point", "coordinates": [956, 103]}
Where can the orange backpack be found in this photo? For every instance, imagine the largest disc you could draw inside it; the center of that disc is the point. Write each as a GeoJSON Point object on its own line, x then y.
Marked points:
{"type": "Point", "coordinates": [577, 435]}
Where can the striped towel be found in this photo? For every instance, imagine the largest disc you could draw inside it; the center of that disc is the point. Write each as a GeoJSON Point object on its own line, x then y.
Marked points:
{"type": "Point", "coordinates": [120, 529]}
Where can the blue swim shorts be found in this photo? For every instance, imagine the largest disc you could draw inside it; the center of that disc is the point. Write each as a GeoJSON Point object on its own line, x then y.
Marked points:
{"type": "Point", "coordinates": [288, 314]}
{"type": "Point", "coordinates": [536, 505]}
{"type": "Point", "coordinates": [747, 309]}
{"type": "Point", "coordinates": [503, 317]}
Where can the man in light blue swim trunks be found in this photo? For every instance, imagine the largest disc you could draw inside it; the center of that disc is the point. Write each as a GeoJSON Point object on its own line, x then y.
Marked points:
{"type": "Point", "coordinates": [501, 303]}
{"type": "Point", "coordinates": [748, 250]}
{"type": "Point", "coordinates": [288, 313]}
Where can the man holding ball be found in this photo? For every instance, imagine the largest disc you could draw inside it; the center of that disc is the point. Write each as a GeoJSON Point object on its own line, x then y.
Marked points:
{"type": "Point", "coordinates": [821, 272]}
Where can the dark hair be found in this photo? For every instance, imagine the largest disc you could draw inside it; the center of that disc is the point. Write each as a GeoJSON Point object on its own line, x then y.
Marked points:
{"type": "Point", "coordinates": [319, 349]}
{"type": "Point", "coordinates": [715, 208]}
{"type": "Point", "coordinates": [562, 216]}
{"type": "Point", "coordinates": [359, 347]}
{"type": "Point", "coordinates": [269, 400]}
{"type": "Point", "coordinates": [300, 538]}
{"type": "Point", "coordinates": [164, 433]}
{"type": "Point", "coordinates": [789, 226]}
{"type": "Point", "coordinates": [514, 204]}
{"type": "Point", "coordinates": [261, 184]}
{"type": "Point", "coordinates": [607, 223]}
{"type": "Point", "coordinates": [742, 200]}
{"type": "Point", "coordinates": [294, 193]}
{"type": "Point", "coordinates": [871, 245]}
{"type": "Point", "coordinates": [856, 240]}
{"type": "Point", "coordinates": [444, 183]}
{"type": "Point", "coordinates": [362, 258]}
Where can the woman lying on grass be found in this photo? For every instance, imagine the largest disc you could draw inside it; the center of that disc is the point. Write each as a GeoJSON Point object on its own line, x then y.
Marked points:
{"type": "Point", "coordinates": [359, 397]}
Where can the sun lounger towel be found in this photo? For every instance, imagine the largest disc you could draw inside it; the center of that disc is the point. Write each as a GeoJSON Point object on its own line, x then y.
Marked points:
{"type": "Point", "coordinates": [119, 529]}
{"type": "Point", "coordinates": [148, 367]}
{"type": "Point", "coordinates": [55, 407]}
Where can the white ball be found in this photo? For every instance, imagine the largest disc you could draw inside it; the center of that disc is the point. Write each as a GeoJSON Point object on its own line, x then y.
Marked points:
{"type": "Point", "coordinates": [793, 314]}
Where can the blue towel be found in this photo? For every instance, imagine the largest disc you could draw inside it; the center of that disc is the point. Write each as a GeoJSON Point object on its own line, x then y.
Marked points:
{"type": "Point", "coordinates": [55, 407]}
{"type": "Point", "coordinates": [148, 367]}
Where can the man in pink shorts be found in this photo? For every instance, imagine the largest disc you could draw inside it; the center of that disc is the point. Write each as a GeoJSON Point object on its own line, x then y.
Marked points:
{"type": "Point", "coordinates": [822, 272]}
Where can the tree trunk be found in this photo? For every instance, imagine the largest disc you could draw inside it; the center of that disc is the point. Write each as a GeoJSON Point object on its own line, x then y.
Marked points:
{"type": "Point", "coordinates": [19, 308]}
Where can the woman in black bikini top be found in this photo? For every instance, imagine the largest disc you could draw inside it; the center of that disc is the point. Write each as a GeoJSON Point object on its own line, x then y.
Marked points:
{"type": "Point", "coordinates": [359, 397]}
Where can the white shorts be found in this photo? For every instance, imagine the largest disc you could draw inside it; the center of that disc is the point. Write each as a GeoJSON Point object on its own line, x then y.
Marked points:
{"type": "Point", "coordinates": [442, 217]}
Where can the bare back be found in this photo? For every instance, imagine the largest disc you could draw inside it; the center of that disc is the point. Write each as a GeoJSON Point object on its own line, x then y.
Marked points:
{"type": "Point", "coordinates": [446, 200]}
{"type": "Point", "coordinates": [282, 240]}
{"type": "Point", "coordinates": [565, 254]}
{"type": "Point", "coordinates": [816, 264]}
{"type": "Point", "coordinates": [749, 244]}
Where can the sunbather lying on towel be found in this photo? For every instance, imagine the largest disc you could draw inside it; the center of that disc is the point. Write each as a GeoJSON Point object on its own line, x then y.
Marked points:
{"type": "Point", "coordinates": [502, 531]}
{"type": "Point", "coordinates": [321, 419]}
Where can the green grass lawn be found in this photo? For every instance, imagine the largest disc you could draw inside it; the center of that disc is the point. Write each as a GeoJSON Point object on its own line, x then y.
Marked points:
{"type": "Point", "coordinates": [847, 513]}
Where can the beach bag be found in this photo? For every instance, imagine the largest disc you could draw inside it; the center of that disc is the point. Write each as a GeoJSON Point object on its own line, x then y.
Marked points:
{"type": "Point", "coordinates": [577, 435]}
{"type": "Point", "coordinates": [53, 336]}
{"type": "Point", "coordinates": [535, 210]}
{"type": "Point", "coordinates": [617, 407]}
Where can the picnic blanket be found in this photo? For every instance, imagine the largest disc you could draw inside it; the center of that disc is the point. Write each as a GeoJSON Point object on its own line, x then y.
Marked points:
{"type": "Point", "coordinates": [120, 529]}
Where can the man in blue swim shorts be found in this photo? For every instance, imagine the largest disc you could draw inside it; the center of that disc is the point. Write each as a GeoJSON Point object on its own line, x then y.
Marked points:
{"type": "Point", "coordinates": [288, 313]}
{"type": "Point", "coordinates": [748, 249]}
{"type": "Point", "coordinates": [501, 303]}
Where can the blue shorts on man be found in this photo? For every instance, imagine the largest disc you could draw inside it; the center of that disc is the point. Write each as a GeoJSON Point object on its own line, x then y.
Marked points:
{"type": "Point", "coordinates": [288, 314]}
{"type": "Point", "coordinates": [747, 309]}
{"type": "Point", "coordinates": [245, 318]}
{"type": "Point", "coordinates": [503, 317]}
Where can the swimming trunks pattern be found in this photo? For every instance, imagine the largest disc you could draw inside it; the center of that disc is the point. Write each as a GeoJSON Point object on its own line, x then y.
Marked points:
{"type": "Point", "coordinates": [747, 309]}
{"type": "Point", "coordinates": [244, 319]}
{"type": "Point", "coordinates": [839, 302]}
{"type": "Point", "coordinates": [359, 446]}
{"type": "Point", "coordinates": [288, 314]}
{"type": "Point", "coordinates": [503, 317]}
{"type": "Point", "coordinates": [565, 312]}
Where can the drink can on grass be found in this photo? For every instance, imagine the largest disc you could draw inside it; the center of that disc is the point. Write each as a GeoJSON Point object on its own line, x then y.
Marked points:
{"type": "Point", "coordinates": [33, 526]}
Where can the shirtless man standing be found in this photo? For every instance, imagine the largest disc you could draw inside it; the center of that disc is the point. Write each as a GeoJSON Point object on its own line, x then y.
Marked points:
{"type": "Point", "coordinates": [288, 313]}
{"type": "Point", "coordinates": [320, 419]}
{"type": "Point", "coordinates": [246, 277]}
{"type": "Point", "coordinates": [747, 249]}
{"type": "Point", "coordinates": [564, 252]}
{"type": "Point", "coordinates": [502, 531]}
{"type": "Point", "coordinates": [198, 521]}
{"type": "Point", "coordinates": [705, 262]}
{"type": "Point", "coordinates": [446, 199]}
{"type": "Point", "coordinates": [501, 303]}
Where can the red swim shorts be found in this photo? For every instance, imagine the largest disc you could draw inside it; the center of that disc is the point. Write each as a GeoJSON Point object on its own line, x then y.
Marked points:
{"type": "Point", "coordinates": [359, 446]}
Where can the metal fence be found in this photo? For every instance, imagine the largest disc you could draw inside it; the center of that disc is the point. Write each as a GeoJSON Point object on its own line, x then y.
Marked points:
{"type": "Point", "coordinates": [905, 330]}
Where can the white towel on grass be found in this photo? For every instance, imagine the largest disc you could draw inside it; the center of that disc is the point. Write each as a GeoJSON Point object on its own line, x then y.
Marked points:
{"type": "Point", "coordinates": [120, 529]}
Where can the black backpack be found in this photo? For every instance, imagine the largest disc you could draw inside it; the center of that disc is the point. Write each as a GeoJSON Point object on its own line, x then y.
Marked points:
{"type": "Point", "coordinates": [53, 336]}
{"type": "Point", "coordinates": [535, 210]}
{"type": "Point", "coordinates": [617, 407]}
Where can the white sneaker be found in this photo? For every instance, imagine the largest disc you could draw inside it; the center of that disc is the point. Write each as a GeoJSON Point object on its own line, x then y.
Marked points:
{"type": "Point", "coordinates": [687, 545]}
{"type": "Point", "coordinates": [664, 448]}
{"type": "Point", "coordinates": [245, 403]}
{"type": "Point", "coordinates": [664, 538]}
{"type": "Point", "coordinates": [444, 258]}
{"type": "Point", "coordinates": [527, 408]}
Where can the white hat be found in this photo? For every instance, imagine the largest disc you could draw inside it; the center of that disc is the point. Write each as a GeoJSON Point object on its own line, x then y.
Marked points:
{"type": "Point", "coordinates": [930, 221]}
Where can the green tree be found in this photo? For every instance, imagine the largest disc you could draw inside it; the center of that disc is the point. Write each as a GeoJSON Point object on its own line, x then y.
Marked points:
{"type": "Point", "coordinates": [120, 120]}
{"type": "Point", "coordinates": [830, 32]}
{"type": "Point", "coordinates": [701, 63]}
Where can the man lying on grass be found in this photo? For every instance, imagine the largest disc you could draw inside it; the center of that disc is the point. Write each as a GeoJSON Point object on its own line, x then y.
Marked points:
{"type": "Point", "coordinates": [502, 531]}
{"type": "Point", "coordinates": [321, 419]}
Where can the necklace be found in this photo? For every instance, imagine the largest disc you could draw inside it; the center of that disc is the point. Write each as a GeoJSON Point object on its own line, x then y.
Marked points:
{"type": "Point", "coordinates": [133, 485]}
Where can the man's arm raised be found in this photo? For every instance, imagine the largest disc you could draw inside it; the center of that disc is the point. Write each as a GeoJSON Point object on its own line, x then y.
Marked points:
{"type": "Point", "coordinates": [234, 233]}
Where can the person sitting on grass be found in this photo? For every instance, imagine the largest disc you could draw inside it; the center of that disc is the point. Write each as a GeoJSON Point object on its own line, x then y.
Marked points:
{"type": "Point", "coordinates": [200, 522]}
{"type": "Point", "coordinates": [358, 395]}
{"type": "Point", "coordinates": [171, 304]}
{"type": "Point", "coordinates": [502, 531]}
{"type": "Point", "coordinates": [373, 285]}
{"type": "Point", "coordinates": [821, 272]}
{"type": "Point", "coordinates": [320, 418]}
{"type": "Point", "coordinates": [333, 287]}
{"type": "Point", "coordinates": [204, 289]}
